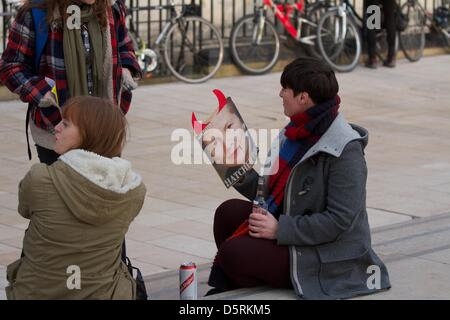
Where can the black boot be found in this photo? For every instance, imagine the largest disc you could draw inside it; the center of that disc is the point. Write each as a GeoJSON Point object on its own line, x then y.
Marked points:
{"type": "Point", "coordinates": [219, 281]}
{"type": "Point", "coordinates": [390, 63]}
{"type": "Point", "coordinates": [372, 63]}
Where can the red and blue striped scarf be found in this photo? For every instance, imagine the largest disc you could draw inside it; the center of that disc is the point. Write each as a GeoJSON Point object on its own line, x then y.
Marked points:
{"type": "Point", "coordinates": [302, 132]}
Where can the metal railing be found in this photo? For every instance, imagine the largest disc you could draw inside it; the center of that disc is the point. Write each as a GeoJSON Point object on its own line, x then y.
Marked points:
{"type": "Point", "coordinates": [222, 13]}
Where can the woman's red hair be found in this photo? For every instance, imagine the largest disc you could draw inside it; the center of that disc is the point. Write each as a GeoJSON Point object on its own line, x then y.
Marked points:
{"type": "Point", "coordinates": [102, 125]}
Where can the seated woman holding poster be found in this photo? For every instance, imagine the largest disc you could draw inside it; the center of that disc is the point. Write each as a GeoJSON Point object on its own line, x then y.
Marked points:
{"type": "Point", "coordinates": [79, 208]}
{"type": "Point", "coordinates": [314, 236]}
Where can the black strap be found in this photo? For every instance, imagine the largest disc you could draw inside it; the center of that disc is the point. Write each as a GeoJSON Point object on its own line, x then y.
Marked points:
{"type": "Point", "coordinates": [141, 291]}
{"type": "Point", "coordinates": [27, 122]}
{"type": "Point", "coordinates": [124, 252]}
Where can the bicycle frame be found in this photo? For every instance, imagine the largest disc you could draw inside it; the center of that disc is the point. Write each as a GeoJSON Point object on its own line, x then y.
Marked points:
{"type": "Point", "coordinates": [282, 13]}
{"type": "Point", "coordinates": [343, 10]}
{"type": "Point", "coordinates": [175, 17]}
{"type": "Point", "coordinates": [351, 11]}
{"type": "Point", "coordinates": [153, 50]}
{"type": "Point", "coordinates": [279, 10]}
{"type": "Point", "coordinates": [339, 35]}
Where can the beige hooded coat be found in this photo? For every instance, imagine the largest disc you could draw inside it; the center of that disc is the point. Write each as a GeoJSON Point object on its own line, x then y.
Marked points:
{"type": "Point", "coordinates": [80, 209]}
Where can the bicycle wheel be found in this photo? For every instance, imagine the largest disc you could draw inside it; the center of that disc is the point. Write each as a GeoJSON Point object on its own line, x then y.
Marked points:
{"type": "Point", "coordinates": [254, 47]}
{"type": "Point", "coordinates": [193, 49]}
{"type": "Point", "coordinates": [339, 46]}
{"type": "Point", "coordinates": [309, 31]}
{"type": "Point", "coordinates": [412, 39]}
{"type": "Point", "coordinates": [382, 45]}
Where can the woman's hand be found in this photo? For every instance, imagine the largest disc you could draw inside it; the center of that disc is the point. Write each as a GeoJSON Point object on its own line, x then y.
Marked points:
{"type": "Point", "coordinates": [128, 82]}
{"type": "Point", "coordinates": [48, 100]}
{"type": "Point", "coordinates": [262, 224]}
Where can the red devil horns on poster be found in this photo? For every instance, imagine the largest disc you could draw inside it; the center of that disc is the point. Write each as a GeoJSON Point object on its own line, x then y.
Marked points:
{"type": "Point", "coordinates": [199, 127]}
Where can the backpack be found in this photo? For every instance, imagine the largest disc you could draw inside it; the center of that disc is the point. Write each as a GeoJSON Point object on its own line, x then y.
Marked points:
{"type": "Point", "coordinates": [41, 31]}
{"type": "Point", "coordinates": [41, 34]}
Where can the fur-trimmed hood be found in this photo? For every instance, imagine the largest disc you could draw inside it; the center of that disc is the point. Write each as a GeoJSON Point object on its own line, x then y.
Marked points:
{"type": "Point", "coordinates": [111, 174]}
{"type": "Point", "coordinates": [95, 188]}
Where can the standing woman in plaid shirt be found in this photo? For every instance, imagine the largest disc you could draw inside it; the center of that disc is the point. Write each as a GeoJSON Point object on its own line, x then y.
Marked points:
{"type": "Point", "coordinates": [97, 59]}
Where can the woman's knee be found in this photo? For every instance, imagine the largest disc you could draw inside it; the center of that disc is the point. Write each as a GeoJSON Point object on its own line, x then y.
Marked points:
{"type": "Point", "coordinates": [223, 207]}
{"type": "Point", "coordinates": [228, 217]}
{"type": "Point", "coordinates": [226, 212]}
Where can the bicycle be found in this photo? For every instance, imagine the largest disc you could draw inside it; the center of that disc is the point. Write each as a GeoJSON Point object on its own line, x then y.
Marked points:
{"type": "Point", "coordinates": [190, 46]}
{"type": "Point", "coordinates": [255, 43]}
{"type": "Point", "coordinates": [412, 39]}
{"type": "Point", "coordinates": [338, 37]}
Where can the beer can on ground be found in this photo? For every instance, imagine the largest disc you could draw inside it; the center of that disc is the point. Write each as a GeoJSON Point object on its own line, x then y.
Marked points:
{"type": "Point", "coordinates": [188, 281]}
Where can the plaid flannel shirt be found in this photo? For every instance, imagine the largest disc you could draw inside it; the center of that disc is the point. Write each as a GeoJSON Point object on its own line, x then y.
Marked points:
{"type": "Point", "coordinates": [17, 64]}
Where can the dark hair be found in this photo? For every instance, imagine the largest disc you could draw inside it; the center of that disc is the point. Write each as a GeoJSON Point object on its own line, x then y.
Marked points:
{"type": "Point", "coordinates": [310, 75]}
{"type": "Point", "coordinates": [102, 125]}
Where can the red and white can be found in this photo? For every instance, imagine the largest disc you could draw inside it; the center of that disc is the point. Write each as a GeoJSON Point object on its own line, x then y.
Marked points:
{"type": "Point", "coordinates": [188, 281]}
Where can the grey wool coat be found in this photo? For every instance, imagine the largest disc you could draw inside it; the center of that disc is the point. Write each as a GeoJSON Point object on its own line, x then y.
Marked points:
{"type": "Point", "coordinates": [325, 222]}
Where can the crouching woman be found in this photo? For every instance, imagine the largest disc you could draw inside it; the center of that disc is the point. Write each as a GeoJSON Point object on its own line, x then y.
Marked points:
{"type": "Point", "coordinates": [80, 209]}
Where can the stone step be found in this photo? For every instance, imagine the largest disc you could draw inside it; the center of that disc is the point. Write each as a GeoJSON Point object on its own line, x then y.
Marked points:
{"type": "Point", "coordinates": [164, 286]}
{"type": "Point", "coordinates": [417, 255]}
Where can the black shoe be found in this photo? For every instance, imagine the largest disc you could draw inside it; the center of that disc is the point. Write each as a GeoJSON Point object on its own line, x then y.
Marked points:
{"type": "Point", "coordinates": [214, 291]}
{"type": "Point", "coordinates": [218, 279]}
{"type": "Point", "coordinates": [389, 63]}
{"type": "Point", "coordinates": [372, 64]}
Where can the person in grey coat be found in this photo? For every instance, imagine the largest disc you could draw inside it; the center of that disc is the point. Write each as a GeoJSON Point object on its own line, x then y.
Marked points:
{"type": "Point", "coordinates": [315, 236]}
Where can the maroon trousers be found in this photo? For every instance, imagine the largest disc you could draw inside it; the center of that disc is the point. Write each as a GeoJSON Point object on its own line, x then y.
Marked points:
{"type": "Point", "coordinates": [247, 261]}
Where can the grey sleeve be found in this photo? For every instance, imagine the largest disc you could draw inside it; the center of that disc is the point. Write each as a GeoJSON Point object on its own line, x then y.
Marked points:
{"type": "Point", "coordinates": [346, 192]}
